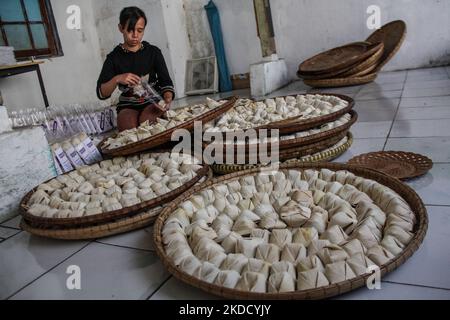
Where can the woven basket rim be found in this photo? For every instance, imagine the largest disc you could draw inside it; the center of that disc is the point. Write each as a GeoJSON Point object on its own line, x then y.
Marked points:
{"type": "Point", "coordinates": [165, 136]}
{"type": "Point", "coordinates": [321, 156]}
{"type": "Point", "coordinates": [400, 24]}
{"type": "Point", "coordinates": [406, 192]}
{"type": "Point", "coordinates": [302, 141]}
{"type": "Point", "coordinates": [291, 125]}
{"type": "Point", "coordinates": [363, 66]}
{"type": "Point", "coordinates": [107, 216]}
{"type": "Point", "coordinates": [352, 70]}
{"type": "Point", "coordinates": [127, 224]}
{"type": "Point", "coordinates": [371, 48]}
{"type": "Point", "coordinates": [341, 82]}
{"type": "Point", "coordinates": [398, 156]}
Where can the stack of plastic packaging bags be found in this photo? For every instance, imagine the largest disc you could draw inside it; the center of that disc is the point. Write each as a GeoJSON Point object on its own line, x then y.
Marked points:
{"type": "Point", "coordinates": [70, 131]}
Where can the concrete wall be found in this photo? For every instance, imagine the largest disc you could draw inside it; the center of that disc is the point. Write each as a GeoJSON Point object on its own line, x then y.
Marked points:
{"type": "Point", "coordinates": [241, 43]}
{"type": "Point", "coordinates": [68, 79]}
{"type": "Point", "coordinates": [178, 43]}
{"type": "Point", "coordinates": [304, 27]}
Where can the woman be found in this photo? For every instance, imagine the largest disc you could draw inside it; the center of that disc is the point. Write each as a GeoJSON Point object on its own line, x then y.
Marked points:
{"type": "Point", "coordinates": [126, 65]}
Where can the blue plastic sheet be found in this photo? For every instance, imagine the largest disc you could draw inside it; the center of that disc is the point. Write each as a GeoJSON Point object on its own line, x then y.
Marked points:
{"type": "Point", "coordinates": [216, 30]}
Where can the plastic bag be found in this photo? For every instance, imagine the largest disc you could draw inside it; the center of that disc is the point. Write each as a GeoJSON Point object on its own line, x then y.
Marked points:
{"type": "Point", "coordinates": [145, 92]}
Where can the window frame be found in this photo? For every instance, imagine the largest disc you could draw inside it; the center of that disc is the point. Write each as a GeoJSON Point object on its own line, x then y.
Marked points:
{"type": "Point", "coordinates": [48, 20]}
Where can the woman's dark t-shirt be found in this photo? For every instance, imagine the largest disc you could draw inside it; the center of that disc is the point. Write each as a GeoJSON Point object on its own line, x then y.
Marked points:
{"type": "Point", "coordinates": [146, 62]}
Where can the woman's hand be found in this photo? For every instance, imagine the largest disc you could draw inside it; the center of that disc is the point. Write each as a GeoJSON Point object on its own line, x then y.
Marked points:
{"type": "Point", "coordinates": [168, 97]}
{"type": "Point", "coordinates": [128, 79]}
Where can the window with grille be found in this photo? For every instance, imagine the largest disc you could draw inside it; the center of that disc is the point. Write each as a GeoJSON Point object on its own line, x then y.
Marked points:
{"type": "Point", "coordinates": [29, 27]}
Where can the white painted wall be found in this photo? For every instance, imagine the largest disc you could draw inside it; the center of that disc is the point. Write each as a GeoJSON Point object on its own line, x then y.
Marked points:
{"type": "Point", "coordinates": [68, 79]}
{"type": "Point", "coordinates": [305, 27]}
{"type": "Point", "coordinates": [107, 14]}
{"type": "Point", "coordinates": [174, 17]}
{"type": "Point", "coordinates": [241, 43]}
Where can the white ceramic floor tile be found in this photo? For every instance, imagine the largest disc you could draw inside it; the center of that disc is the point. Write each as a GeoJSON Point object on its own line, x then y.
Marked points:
{"type": "Point", "coordinates": [420, 128]}
{"type": "Point", "coordinates": [430, 264]}
{"type": "Point", "coordinates": [428, 84]}
{"type": "Point", "coordinates": [12, 223]}
{"type": "Point", "coordinates": [25, 257]}
{"type": "Point", "coordinates": [393, 291]}
{"type": "Point", "coordinates": [139, 239]}
{"type": "Point", "coordinates": [374, 86]}
{"type": "Point", "coordinates": [443, 101]}
{"type": "Point", "coordinates": [296, 87]}
{"type": "Point", "coordinates": [343, 90]}
{"type": "Point", "coordinates": [434, 186]}
{"type": "Point", "coordinates": [107, 272]}
{"type": "Point", "coordinates": [7, 232]}
{"type": "Point", "coordinates": [426, 71]}
{"type": "Point", "coordinates": [379, 95]}
{"type": "Point", "coordinates": [376, 110]}
{"type": "Point", "coordinates": [436, 148]}
{"type": "Point", "coordinates": [361, 146]}
{"type": "Point", "coordinates": [377, 129]}
{"type": "Point", "coordinates": [391, 77]}
{"type": "Point", "coordinates": [429, 113]}
{"type": "Point", "coordinates": [175, 289]}
{"type": "Point", "coordinates": [425, 92]}
{"type": "Point", "coordinates": [427, 77]}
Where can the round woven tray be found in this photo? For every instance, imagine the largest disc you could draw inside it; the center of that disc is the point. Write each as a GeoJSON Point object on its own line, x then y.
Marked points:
{"type": "Point", "coordinates": [392, 36]}
{"type": "Point", "coordinates": [337, 59]}
{"type": "Point", "coordinates": [407, 193]}
{"type": "Point", "coordinates": [316, 155]}
{"type": "Point", "coordinates": [341, 82]}
{"type": "Point", "coordinates": [41, 222]}
{"type": "Point", "coordinates": [365, 65]}
{"type": "Point", "coordinates": [135, 222]}
{"type": "Point", "coordinates": [399, 164]}
{"type": "Point", "coordinates": [165, 136]}
{"type": "Point", "coordinates": [293, 143]}
{"type": "Point", "coordinates": [297, 124]}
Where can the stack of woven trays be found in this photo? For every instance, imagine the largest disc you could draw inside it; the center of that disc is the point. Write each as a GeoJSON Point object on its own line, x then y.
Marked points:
{"type": "Point", "coordinates": [305, 139]}
{"type": "Point", "coordinates": [355, 63]}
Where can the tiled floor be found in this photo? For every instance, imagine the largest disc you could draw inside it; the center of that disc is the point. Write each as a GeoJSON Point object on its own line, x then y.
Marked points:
{"type": "Point", "coordinates": [405, 110]}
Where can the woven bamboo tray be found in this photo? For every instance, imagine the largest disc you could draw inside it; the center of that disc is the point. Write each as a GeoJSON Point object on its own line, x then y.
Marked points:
{"type": "Point", "coordinates": [297, 124]}
{"type": "Point", "coordinates": [341, 82]}
{"type": "Point", "coordinates": [165, 137]}
{"type": "Point", "coordinates": [315, 151]}
{"type": "Point", "coordinates": [392, 36]}
{"type": "Point", "coordinates": [293, 143]}
{"type": "Point", "coordinates": [338, 58]}
{"type": "Point", "coordinates": [135, 222]}
{"type": "Point", "coordinates": [41, 222]}
{"type": "Point", "coordinates": [365, 65]}
{"type": "Point", "coordinates": [407, 193]}
{"type": "Point", "coordinates": [290, 153]}
{"type": "Point", "coordinates": [399, 164]}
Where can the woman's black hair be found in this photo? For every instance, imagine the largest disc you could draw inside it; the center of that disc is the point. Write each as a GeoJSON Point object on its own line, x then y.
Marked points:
{"type": "Point", "coordinates": [131, 15]}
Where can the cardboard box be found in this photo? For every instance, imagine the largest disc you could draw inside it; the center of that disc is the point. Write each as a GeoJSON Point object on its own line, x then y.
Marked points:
{"type": "Point", "coordinates": [240, 81]}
